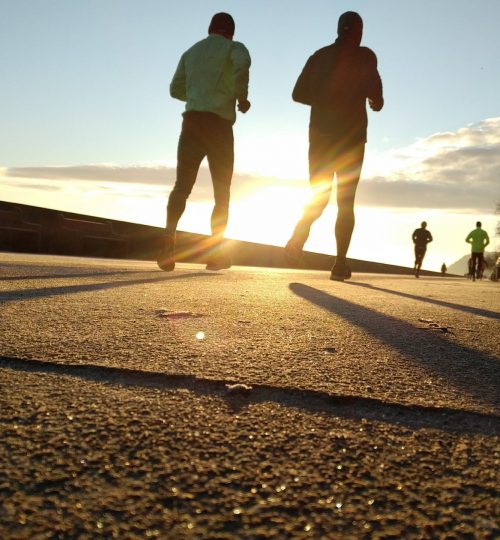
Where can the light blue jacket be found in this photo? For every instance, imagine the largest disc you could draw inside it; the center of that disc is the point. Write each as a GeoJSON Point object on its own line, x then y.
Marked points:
{"type": "Point", "coordinates": [212, 75]}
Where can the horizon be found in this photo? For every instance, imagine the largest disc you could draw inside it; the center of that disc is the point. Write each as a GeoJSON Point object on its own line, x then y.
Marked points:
{"type": "Point", "coordinates": [405, 261]}
{"type": "Point", "coordinates": [89, 125]}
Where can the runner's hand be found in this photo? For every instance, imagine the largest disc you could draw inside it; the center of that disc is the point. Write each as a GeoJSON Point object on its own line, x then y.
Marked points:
{"type": "Point", "coordinates": [243, 105]}
{"type": "Point", "coordinates": [375, 106]}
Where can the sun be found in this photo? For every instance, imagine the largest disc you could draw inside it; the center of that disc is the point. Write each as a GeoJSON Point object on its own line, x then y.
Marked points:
{"type": "Point", "coordinates": [266, 216]}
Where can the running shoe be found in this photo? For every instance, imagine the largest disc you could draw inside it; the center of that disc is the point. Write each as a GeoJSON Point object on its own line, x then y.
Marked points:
{"type": "Point", "coordinates": [293, 253]}
{"type": "Point", "coordinates": [166, 256]}
{"type": "Point", "coordinates": [218, 262]}
{"type": "Point", "coordinates": [340, 272]}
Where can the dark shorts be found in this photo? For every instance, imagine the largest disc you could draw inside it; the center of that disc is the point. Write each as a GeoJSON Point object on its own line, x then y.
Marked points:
{"type": "Point", "coordinates": [205, 134]}
{"type": "Point", "coordinates": [420, 251]}
{"type": "Point", "coordinates": [331, 153]}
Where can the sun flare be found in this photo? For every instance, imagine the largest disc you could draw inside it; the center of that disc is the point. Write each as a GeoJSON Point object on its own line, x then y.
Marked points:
{"type": "Point", "coordinates": [267, 215]}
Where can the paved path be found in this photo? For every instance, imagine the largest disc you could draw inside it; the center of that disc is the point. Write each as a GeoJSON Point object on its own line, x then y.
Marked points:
{"type": "Point", "coordinates": [374, 408]}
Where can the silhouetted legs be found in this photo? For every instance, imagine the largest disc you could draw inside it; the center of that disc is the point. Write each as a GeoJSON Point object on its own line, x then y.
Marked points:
{"type": "Point", "coordinates": [419, 257]}
{"type": "Point", "coordinates": [328, 157]}
{"type": "Point", "coordinates": [477, 265]}
{"type": "Point", "coordinates": [203, 135]}
{"type": "Point", "coordinates": [220, 162]}
{"type": "Point", "coordinates": [348, 175]}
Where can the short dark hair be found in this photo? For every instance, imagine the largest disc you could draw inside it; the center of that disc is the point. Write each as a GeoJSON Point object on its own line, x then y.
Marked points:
{"type": "Point", "coordinates": [478, 224]}
{"type": "Point", "coordinates": [349, 22]}
{"type": "Point", "coordinates": [222, 23]}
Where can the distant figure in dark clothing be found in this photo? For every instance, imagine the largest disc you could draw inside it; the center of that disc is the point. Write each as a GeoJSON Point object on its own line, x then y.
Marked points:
{"type": "Point", "coordinates": [443, 269]}
{"type": "Point", "coordinates": [336, 82]}
{"type": "Point", "coordinates": [212, 76]}
{"type": "Point", "coordinates": [478, 239]}
{"type": "Point", "coordinates": [421, 237]}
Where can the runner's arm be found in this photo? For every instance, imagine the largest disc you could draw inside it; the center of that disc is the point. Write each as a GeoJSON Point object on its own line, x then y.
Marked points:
{"type": "Point", "coordinates": [241, 74]}
{"type": "Point", "coordinates": [374, 91]}
{"type": "Point", "coordinates": [178, 84]}
{"type": "Point", "coordinates": [302, 89]}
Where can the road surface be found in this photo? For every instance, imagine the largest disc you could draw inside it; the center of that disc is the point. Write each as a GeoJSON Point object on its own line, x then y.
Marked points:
{"type": "Point", "coordinates": [247, 403]}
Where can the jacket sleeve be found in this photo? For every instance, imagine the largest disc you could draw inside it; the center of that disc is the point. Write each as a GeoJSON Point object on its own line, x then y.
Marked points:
{"type": "Point", "coordinates": [178, 84]}
{"type": "Point", "coordinates": [241, 61]}
{"type": "Point", "coordinates": [302, 90]}
{"type": "Point", "coordinates": [374, 89]}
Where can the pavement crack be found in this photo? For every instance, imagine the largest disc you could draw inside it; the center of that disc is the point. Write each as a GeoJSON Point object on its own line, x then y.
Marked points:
{"type": "Point", "coordinates": [316, 401]}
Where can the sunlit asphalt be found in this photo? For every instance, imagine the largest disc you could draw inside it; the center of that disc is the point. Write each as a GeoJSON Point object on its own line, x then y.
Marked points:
{"type": "Point", "coordinates": [246, 403]}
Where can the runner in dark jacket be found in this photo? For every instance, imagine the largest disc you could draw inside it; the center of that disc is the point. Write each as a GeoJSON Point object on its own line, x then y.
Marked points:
{"type": "Point", "coordinates": [336, 82]}
{"type": "Point", "coordinates": [421, 237]}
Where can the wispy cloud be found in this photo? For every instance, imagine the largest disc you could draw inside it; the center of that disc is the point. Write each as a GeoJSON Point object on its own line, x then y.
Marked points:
{"type": "Point", "coordinates": [138, 174]}
{"type": "Point", "coordinates": [143, 178]}
{"type": "Point", "coordinates": [453, 170]}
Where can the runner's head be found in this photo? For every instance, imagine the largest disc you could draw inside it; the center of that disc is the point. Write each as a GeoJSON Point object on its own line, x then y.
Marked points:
{"type": "Point", "coordinates": [423, 224]}
{"type": "Point", "coordinates": [350, 27]}
{"type": "Point", "coordinates": [222, 24]}
{"type": "Point", "coordinates": [478, 224]}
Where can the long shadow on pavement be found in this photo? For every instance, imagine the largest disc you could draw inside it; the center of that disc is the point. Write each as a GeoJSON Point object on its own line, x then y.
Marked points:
{"type": "Point", "coordinates": [313, 401]}
{"type": "Point", "coordinates": [30, 294]}
{"type": "Point", "coordinates": [475, 373]}
{"type": "Point", "coordinates": [71, 276]}
{"type": "Point", "coordinates": [467, 309]}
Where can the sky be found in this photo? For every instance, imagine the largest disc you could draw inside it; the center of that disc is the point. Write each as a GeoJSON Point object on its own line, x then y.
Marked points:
{"type": "Point", "coordinates": [87, 123]}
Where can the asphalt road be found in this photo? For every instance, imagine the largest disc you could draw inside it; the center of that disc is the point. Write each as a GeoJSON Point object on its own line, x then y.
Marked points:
{"type": "Point", "coordinates": [364, 409]}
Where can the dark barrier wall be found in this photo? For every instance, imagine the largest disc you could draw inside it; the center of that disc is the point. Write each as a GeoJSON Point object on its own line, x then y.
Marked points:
{"type": "Point", "coordinates": [32, 229]}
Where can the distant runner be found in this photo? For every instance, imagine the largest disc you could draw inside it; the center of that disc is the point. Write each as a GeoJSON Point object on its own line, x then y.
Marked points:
{"type": "Point", "coordinates": [478, 239]}
{"type": "Point", "coordinates": [421, 237]}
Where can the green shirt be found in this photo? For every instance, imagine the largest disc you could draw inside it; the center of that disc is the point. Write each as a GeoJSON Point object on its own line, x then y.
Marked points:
{"type": "Point", "coordinates": [479, 239]}
{"type": "Point", "coordinates": [212, 75]}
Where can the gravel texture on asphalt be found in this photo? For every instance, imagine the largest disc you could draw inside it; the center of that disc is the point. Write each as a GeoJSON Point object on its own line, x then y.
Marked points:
{"type": "Point", "coordinates": [397, 339]}
{"type": "Point", "coordinates": [86, 459]}
{"type": "Point", "coordinates": [249, 403]}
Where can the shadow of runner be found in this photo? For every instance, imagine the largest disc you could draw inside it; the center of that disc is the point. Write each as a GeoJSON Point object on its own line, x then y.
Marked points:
{"type": "Point", "coordinates": [104, 273]}
{"type": "Point", "coordinates": [313, 401]}
{"type": "Point", "coordinates": [467, 309]}
{"type": "Point", "coordinates": [30, 294]}
{"type": "Point", "coordinates": [474, 373]}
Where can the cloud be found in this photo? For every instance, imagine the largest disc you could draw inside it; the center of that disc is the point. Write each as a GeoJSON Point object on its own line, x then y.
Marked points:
{"type": "Point", "coordinates": [144, 178]}
{"type": "Point", "coordinates": [452, 170]}
{"type": "Point", "coordinates": [446, 170]}
{"type": "Point", "coordinates": [139, 174]}
{"type": "Point", "coordinates": [413, 194]}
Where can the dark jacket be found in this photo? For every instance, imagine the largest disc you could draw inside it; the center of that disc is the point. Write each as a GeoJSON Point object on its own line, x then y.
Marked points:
{"type": "Point", "coordinates": [336, 82]}
{"type": "Point", "coordinates": [421, 237]}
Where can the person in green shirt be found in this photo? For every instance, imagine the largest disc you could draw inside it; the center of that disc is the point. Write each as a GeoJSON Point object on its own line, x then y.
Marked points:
{"type": "Point", "coordinates": [478, 239]}
{"type": "Point", "coordinates": [212, 77]}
